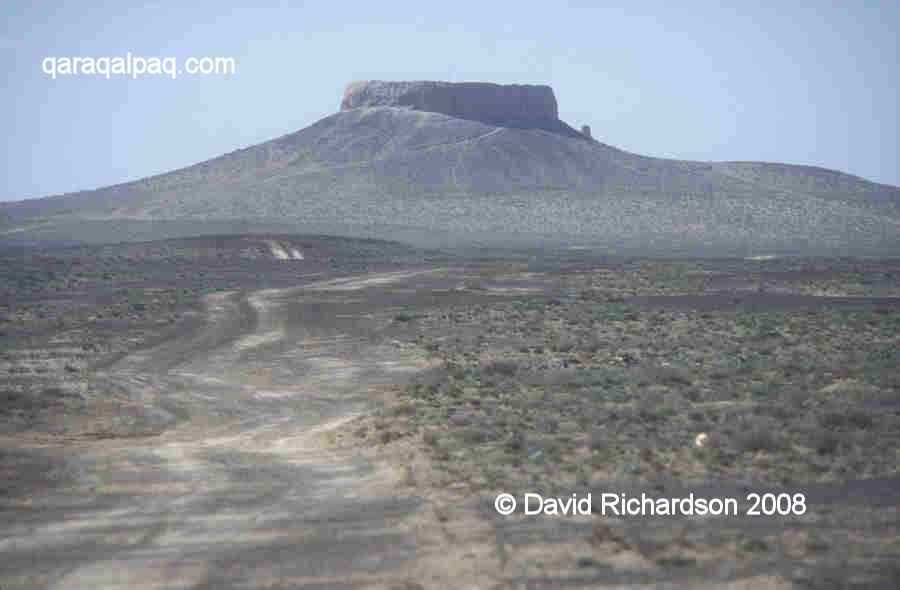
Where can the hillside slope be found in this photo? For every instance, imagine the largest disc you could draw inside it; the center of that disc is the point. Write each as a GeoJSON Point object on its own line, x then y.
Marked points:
{"type": "Point", "coordinates": [389, 171]}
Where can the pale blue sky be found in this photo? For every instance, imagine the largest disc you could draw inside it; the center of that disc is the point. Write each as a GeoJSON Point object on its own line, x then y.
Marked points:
{"type": "Point", "coordinates": [796, 82]}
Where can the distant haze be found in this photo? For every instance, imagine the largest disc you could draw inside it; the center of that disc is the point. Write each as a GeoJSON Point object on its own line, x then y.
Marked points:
{"type": "Point", "coordinates": [802, 83]}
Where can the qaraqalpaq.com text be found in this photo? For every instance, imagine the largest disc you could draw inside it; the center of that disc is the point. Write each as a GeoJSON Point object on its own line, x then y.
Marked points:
{"type": "Point", "coordinates": [135, 66]}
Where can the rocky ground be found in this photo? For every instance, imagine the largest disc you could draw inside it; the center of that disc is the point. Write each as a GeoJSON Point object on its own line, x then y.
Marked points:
{"type": "Point", "coordinates": [292, 411]}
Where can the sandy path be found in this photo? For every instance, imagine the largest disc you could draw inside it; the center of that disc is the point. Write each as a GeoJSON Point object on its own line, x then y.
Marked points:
{"type": "Point", "coordinates": [237, 495]}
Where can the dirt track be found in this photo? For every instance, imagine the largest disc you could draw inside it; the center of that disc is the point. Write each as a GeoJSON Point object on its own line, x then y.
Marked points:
{"type": "Point", "coordinates": [237, 495]}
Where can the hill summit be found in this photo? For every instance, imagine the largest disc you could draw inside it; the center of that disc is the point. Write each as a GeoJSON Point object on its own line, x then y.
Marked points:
{"type": "Point", "coordinates": [457, 164]}
{"type": "Point", "coordinates": [521, 106]}
{"type": "Point", "coordinates": [477, 101]}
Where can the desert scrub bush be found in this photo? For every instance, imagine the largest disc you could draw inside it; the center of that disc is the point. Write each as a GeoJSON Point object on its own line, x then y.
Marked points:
{"type": "Point", "coordinates": [673, 376]}
{"type": "Point", "coordinates": [506, 368]}
{"type": "Point", "coordinates": [614, 313]}
{"type": "Point", "coordinates": [405, 410]}
{"type": "Point", "coordinates": [766, 331]}
{"type": "Point", "coordinates": [453, 371]}
{"type": "Point", "coordinates": [529, 304]}
{"type": "Point", "coordinates": [743, 365]}
{"type": "Point", "coordinates": [769, 390]}
{"type": "Point", "coordinates": [564, 379]}
{"type": "Point", "coordinates": [477, 435]}
{"type": "Point", "coordinates": [591, 343]}
{"type": "Point", "coordinates": [598, 440]}
{"type": "Point", "coordinates": [431, 438]}
{"type": "Point", "coordinates": [404, 317]}
{"type": "Point", "coordinates": [563, 343]}
{"type": "Point", "coordinates": [433, 380]}
{"type": "Point", "coordinates": [757, 434]}
{"type": "Point", "coordinates": [650, 407]}
{"type": "Point", "coordinates": [887, 354]}
{"type": "Point", "coordinates": [848, 418]}
{"type": "Point", "coordinates": [824, 441]}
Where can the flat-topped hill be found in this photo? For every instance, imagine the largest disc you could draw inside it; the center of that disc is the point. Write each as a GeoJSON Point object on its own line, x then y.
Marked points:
{"type": "Point", "coordinates": [478, 101]}
{"type": "Point", "coordinates": [456, 164]}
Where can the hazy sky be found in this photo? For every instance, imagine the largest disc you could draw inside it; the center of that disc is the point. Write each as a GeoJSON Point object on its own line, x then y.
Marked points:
{"type": "Point", "coordinates": [796, 82]}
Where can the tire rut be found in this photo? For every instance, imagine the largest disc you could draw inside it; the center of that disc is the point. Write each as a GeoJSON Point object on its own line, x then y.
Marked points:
{"type": "Point", "coordinates": [232, 492]}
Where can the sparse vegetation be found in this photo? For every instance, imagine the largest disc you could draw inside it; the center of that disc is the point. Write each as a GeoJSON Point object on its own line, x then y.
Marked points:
{"type": "Point", "coordinates": [596, 388]}
{"type": "Point", "coordinates": [602, 377]}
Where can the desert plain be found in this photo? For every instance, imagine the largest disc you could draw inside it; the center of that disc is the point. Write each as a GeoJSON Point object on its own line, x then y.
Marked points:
{"type": "Point", "coordinates": [303, 411]}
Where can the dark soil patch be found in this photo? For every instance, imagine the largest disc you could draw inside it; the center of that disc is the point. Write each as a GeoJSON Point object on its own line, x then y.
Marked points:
{"type": "Point", "coordinates": [749, 302]}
